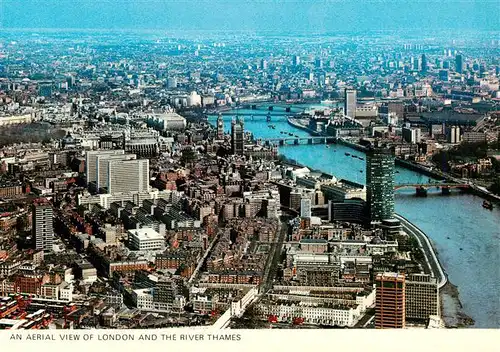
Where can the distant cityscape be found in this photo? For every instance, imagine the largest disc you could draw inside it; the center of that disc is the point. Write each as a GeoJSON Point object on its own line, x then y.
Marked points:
{"type": "Point", "coordinates": [148, 181]}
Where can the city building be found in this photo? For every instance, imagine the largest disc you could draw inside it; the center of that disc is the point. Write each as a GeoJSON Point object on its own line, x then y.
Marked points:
{"type": "Point", "coordinates": [423, 69]}
{"type": "Point", "coordinates": [305, 207]}
{"type": "Point", "coordinates": [411, 135]}
{"type": "Point", "coordinates": [145, 239]}
{"type": "Point", "coordinates": [453, 134]}
{"type": "Point", "coordinates": [390, 301]}
{"type": "Point", "coordinates": [459, 63]}
{"type": "Point", "coordinates": [237, 137]}
{"type": "Point", "coordinates": [166, 121]}
{"type": "Point", "coordinates": [263, 64]}
{"type": "Point", "coordinates": [91, 165]}
{"type": "Point", "coordinates": [421, 297]}
{"type": "Point", "coordinates": [474, 137]}
{"type": "Point", "coordinates": [350, 103]}
{"type": "Point", "coordinates": [128, 176]}
{"type": "Point", "coordinates": [220, 127]}
{"type": "Point", "coordinates": [352, 210]}
{"type": "Point", "coordinates": [43, 226]}
{"type": "Point", "coordinates": [102, 163]}
{"type": "Point", "coordinates": [380, 183]}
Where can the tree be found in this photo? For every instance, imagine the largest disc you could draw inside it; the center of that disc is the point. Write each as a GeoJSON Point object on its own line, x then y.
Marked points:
{"type": "Point", "coordinates": [495, 187]}
{"type": "Point", "coordinates": [21, 223]}
{"type": "Point", "coordinates": [188, 156]}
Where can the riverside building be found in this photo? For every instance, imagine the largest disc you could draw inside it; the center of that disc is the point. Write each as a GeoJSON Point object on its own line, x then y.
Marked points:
{"type": "Point", "coordinates": [237, 137]}
{"type": "Point", "coordinates": [390, 301]}
{"type": "Point", "coordinates": [380, 184]}
{"type": "Point", "coordinates": [421, 297]}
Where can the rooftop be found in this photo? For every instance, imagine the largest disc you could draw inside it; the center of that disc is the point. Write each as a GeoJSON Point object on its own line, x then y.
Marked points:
{"type": "Point", "coordinates": [145, 234]}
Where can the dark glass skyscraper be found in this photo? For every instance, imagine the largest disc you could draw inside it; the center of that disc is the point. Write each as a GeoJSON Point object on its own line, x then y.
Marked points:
{"type": "Point", "coordinates": [380, 183]}
{"type": "Point", "coordinates": [424, 63]}
{"type": "Point", "coordinates": [459, 63]}
{"type": "Point", "coordinates": [237, 137]}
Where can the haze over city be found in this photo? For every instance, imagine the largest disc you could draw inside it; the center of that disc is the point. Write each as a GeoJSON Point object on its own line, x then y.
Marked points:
{"type": "Point", "coordinates": [289, 16]}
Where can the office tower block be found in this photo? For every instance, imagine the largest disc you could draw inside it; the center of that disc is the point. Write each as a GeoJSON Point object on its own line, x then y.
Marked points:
{"type": "Point", "coordinates": [305, 207]}
{"type": "Point", "coordinates": [411, 134]}
{"type": "Point", "coordinates": [43, 226]}
{"type": "Point", "coordinates": [444, 75]}
{"type": "Point", "coordinates": [295, 199]}
{"type": "Point", "coordinates": [319, 63]}
{"type": "Point", "coordinates": [263, 64]}
{"type": "Point", "coordinates": [165, 292]}
{"type": "Point", "coordinates": [390, 301]}
{"type": "Point", "coordinates": [296, 60]}
{"type": "Point", "coordinates": [459, 63]}
{"type": "Point", "coordinates": [421, 297]}
{"type": "Point", "coordinates": [91, 162]}
{"type": "Point", "coordinates": [128, 176]}
{"type": "Point", "coordinates": [423, 61]}
{"type": "Point", "coordinates": [453, 134]}
{"type": "Point", "coordinates": [416, 63]}
{"type": "Point", "coordinates": [380, 183]}
{"type": "Point", "coordinates": [102, 168]}
{"type": "Point", "coordinates": [220, 127]}
{"type": "Point", "coordinates": [350, 103]}
{"type": "Point", "coordinates": [237, 137]}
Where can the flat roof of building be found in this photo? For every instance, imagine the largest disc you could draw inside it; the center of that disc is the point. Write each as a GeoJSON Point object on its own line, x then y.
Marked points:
{"type": "Point", "coordinates": [145, 234]}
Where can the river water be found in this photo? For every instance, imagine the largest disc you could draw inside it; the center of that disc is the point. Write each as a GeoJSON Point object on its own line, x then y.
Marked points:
{"type": "Point", "coordinates": [465, 235]}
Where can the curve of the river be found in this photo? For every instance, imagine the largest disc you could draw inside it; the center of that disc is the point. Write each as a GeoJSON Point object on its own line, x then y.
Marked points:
{"type": "Point", "coordinates": [465, 235]}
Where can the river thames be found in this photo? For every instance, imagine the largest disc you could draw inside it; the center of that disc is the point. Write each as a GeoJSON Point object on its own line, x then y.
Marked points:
{"type": "Point", "coordinates": [465, 235]}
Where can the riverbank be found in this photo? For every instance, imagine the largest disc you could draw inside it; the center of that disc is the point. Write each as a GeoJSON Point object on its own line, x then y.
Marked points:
{"type": "Point", "coordinates": [431, 258]}
{"type": "Point", "coordinates": [451, 308]}
{"type": "Point", "coordinates": [293, 122]}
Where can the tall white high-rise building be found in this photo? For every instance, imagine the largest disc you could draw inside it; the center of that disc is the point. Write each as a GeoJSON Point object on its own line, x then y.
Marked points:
{"type": "Point", "coordinates": [102, 167]}
{"type": "Point", "coordinates": [128, 176]}
{"type": "Point", "coordinates": [454, 135]}
{"type": "Point", "coordinates": [91, 162]}
{"type": "Point", "coordinates": [350, 103]}
{"type": "Point", "coordinates": [43, 226]}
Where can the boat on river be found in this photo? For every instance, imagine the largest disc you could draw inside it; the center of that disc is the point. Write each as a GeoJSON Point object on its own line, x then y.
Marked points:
{"type": "Point", "coordinates": [487, 205]}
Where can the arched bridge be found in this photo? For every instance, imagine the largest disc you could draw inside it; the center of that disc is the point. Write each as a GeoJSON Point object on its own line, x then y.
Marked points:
{"type": "Point", "coordinates": [431, 185]}
{"type": "Point", "coordinates": [421, 189]}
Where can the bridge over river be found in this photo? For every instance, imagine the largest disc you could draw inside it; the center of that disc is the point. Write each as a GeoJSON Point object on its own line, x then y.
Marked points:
{"type": "Point", "coordinates": [295, 140]}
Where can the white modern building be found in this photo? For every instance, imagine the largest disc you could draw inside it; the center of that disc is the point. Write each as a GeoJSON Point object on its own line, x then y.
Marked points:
{"type": "Point", "coordinates": [146, 239]}
{"type": "Point", "coordinates": [128, 176]}
{"type": "Point", "coordinates": [166, 121]}
{"type": "Point", "coordinates": [91, 165]}
{"type": "Point", "coordinates": [312, 313]}
{"type": "Point", "coordinates": [143, 298]}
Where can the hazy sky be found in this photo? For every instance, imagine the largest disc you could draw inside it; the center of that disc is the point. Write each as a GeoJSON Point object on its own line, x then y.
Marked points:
{"type": "Point", "coordinates": [272, 15]}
